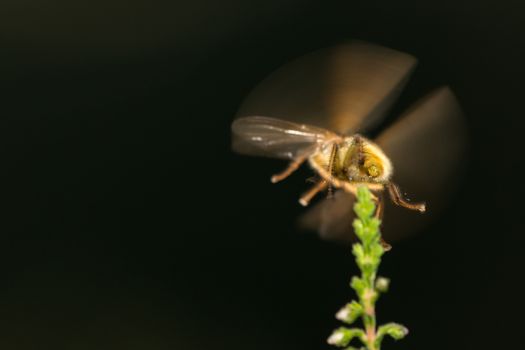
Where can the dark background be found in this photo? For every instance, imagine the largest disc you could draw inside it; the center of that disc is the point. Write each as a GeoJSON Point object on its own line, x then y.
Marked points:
{"type": "Point", "coordinates": [127, 222]}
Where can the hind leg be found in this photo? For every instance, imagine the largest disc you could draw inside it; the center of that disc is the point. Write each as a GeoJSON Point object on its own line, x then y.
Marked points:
{"type": "Point", "coordinates": [307, 196]}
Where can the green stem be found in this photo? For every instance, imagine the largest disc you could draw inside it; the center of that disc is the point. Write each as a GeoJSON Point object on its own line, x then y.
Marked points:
{"type": "Point", "coordinates": [369, 320]}
{"type": "Point", "coordinates": [367, 299]}
{"type": "Point", "coordinates": [368, 287]}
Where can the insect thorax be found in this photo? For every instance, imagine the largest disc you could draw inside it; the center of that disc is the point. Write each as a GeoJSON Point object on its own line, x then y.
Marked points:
{"type": "Point", "coordinates": [354, 159]}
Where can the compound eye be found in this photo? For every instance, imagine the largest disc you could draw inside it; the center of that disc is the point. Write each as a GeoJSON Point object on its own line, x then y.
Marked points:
{"type": "Point", "coordinates": [373, 171]}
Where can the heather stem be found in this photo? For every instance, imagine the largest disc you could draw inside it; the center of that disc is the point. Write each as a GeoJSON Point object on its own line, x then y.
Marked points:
{"type": "Point", "coordinates": [368, 286]}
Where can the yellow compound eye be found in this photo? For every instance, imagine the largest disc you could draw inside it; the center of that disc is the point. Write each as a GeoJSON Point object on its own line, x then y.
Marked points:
{"type": "Point", "coordinates": [373, 170]}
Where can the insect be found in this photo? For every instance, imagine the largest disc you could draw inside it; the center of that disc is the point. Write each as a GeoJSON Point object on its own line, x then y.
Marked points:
{"type": "Point", "coordinates": [316, 109]}
{"type": "Point", "coordinates": [341, 162]}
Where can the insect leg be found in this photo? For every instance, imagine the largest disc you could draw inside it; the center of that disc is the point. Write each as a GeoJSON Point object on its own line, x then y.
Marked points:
{"type": "Point", "coordinates": [380, 204]}
{"type": "Point", "coordinates": [307, 196]}
{"type": "Point", "coordinates": [330, 169]}
{"type": "Point", "coordinates": [398, 199]}
{"type": "Point", "coordinates": [385, 244]}
{"type": "Point", "coordinates": [293, 166]}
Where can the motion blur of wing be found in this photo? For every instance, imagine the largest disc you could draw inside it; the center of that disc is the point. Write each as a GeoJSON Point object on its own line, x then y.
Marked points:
{"type": "Point", "coordinates": [344, 88]}
{"type": "Point", "coordinates": [349, 88]}
{"type": "Point", "coordinates": [427, 147]}
{"type": "Point", "coordinates": [331, 218]}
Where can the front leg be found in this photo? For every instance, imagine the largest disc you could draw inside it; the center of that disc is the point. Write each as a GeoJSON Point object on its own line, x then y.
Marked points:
{"type": "Point", "coordinates": [397, 198]}
{"type": "Point", "coordinates": [293, 166]}
{"type": "Point", "coordinates": [380, 205]}
{"type": "Point", "coordinates": [331, 165]}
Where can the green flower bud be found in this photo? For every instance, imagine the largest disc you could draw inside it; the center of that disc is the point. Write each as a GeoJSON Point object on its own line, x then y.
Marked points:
{"type": "Point", "coordinates": [350, 312]}
{"type": "Point", "coordinates": [368, 264]}
{"type": "Point", "coordinates": [358, 228]}
{"type": "Point", "coordinates": [395, 330]}
{"type": "Point", "coordinates": [357, 250]}
{"type": "Point", "coordinates": [364, 207]}
{"type": "Point", "coordinates": [374, 224]}
{"type": "Point", "coordinates": [343, 336]}
{"type": "Point", "coordinates": [377, 250]}
{"type": "Point", "coordinates": [358, 285]}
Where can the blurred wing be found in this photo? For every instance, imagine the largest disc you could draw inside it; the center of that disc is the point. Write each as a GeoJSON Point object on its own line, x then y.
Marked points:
{"type": "Point", "coordinates": [276, 138]}
{"type": "Point", "coordinates": [332, 217]}
{"type": "Point", "coordinates": [427, 148]}
{"type": "Point", "coordinates": [344, 88]}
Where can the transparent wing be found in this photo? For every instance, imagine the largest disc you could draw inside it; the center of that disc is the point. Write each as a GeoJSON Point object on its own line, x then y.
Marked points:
{"type": "Point", "coordinates": [331, 218]}
{"type": "Point", "coordinates": [427, 148]}
{"type": "Point", "coordinates": [271, 137]}
{"type": "Point", "coordinates": [345, 88]}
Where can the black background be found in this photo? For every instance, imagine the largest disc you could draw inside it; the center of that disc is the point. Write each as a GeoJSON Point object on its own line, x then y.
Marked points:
{"type": "Point", "coordinates": [127, 222]}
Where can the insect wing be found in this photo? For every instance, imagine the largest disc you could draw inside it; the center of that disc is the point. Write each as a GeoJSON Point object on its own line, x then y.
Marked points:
{"type": "Point", "coordinates": [427, 147]}
{"type": "Point", "coordinates": [345, 88]}
{"type": "Point", "coordinates": [271, 137]}
{"type": "Point", "coordinates": [331, 218]}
